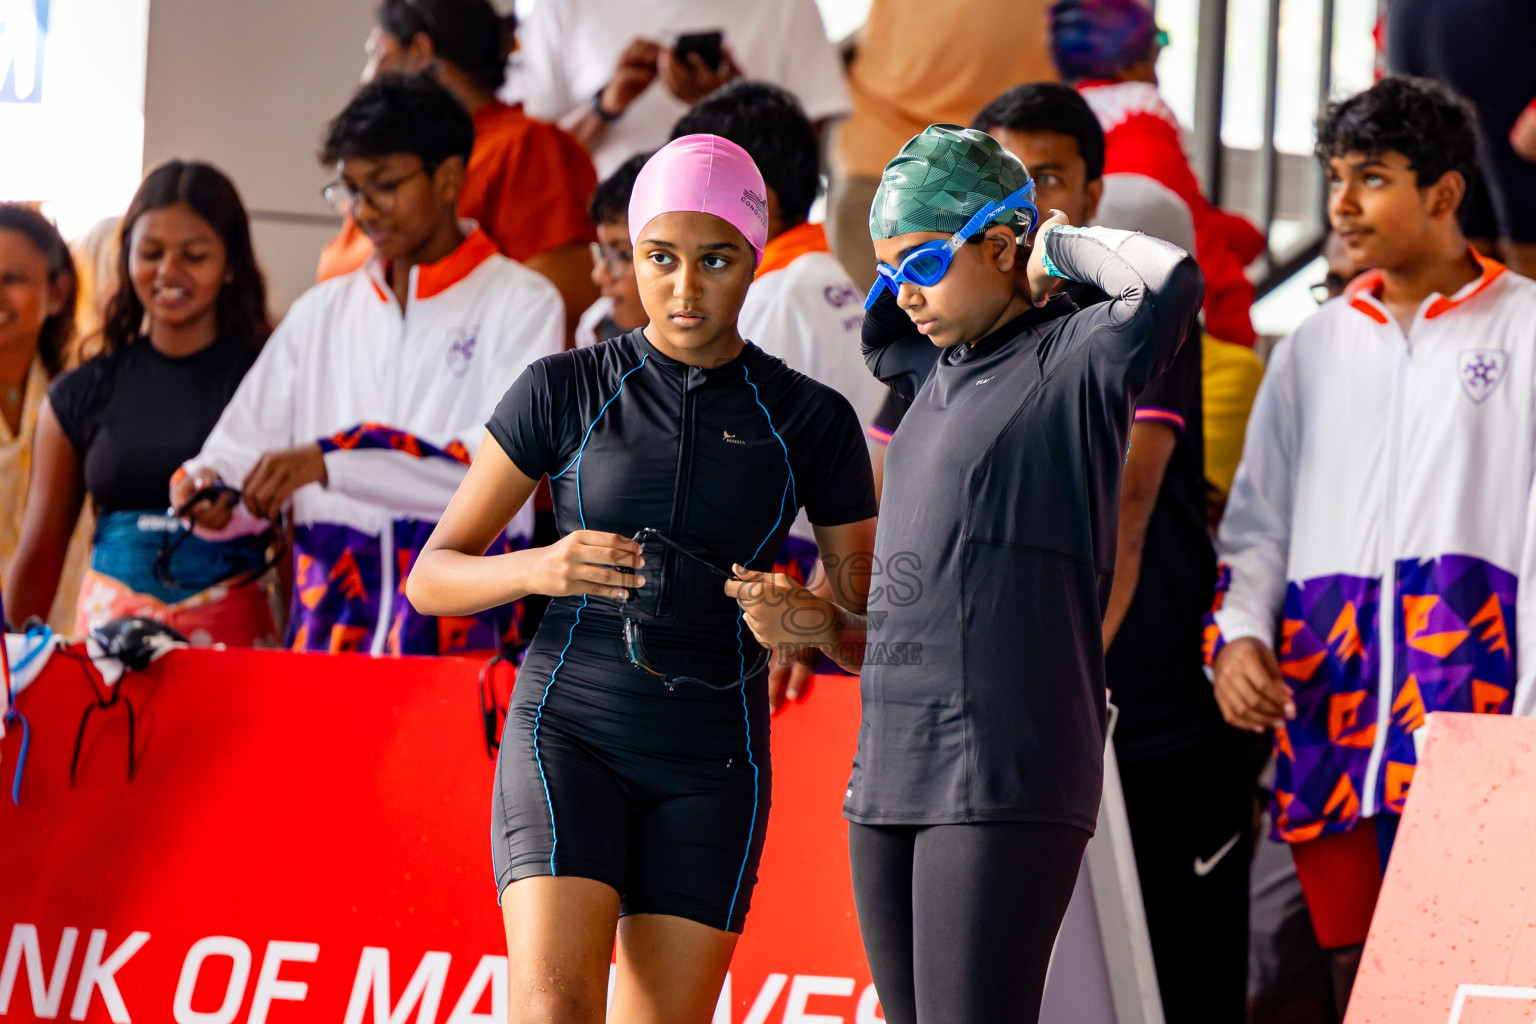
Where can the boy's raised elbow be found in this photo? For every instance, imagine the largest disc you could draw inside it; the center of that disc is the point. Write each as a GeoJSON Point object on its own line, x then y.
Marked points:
{"type": "Point", "coordinates": [1187, 283]}
{"type": "Point", "coordinates": [1182, 293]}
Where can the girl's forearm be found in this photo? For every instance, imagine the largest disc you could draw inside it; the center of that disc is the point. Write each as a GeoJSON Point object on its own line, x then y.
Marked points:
{"type": "Point", "coordinates": [843, 638]}
{"type": "Point", "coordinates": [448, 582]}
{"type": "Point", "coordinates": [850, 641]}
{"type": "Point", "coordinates": [33, 580]}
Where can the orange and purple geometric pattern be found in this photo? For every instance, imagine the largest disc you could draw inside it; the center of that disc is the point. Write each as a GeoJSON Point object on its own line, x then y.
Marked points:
{"type": "Point", "coordinates": [382, 436]}
{"type": "Point", "coordinates": [1454, 649]}
{"type": "Point", "coordinates": [337, 597]}
{"type": "Point", "coordinates": [1211, 640]}
{"type": "Point", "coordinates": [1328, 655]}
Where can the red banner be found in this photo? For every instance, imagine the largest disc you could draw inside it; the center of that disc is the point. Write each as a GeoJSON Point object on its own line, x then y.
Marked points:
{"type": "Point", "coordinates": [307, 838]}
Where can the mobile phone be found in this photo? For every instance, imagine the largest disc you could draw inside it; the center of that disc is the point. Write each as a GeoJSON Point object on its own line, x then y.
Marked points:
{"type": "Point", "coordinates": [705, 44]}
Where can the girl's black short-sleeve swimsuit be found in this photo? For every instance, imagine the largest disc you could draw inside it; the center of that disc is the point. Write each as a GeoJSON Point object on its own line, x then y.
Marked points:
{"type": "Point", "coordinates": [605, 772]}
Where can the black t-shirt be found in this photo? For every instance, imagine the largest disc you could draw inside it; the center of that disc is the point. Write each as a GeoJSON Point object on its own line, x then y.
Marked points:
{"type": "Point", "coordinates": [1154, 668]}
{"type": "Point", "coordinates": [887, 316]}
{"type": "Point", "coordinates": [136, 415]}
{"type": "Point", "coordinates": [719, 460]}
{"type": "Point", "coordinates": [983, 696]}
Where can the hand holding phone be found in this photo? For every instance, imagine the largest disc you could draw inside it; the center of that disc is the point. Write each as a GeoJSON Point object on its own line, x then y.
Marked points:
{"type": "Point", "coordinates": [706, 44]}
{"type": "Point", "coordinates": [697, 64]}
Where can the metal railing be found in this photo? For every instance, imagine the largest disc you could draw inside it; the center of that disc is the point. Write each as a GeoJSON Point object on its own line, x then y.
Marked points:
{"type": "Point", "coordinates": [1266, 171]}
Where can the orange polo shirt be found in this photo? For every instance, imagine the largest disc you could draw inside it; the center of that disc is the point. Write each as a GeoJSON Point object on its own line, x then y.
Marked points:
{"type": "Point", "coordinates": [527, 185]}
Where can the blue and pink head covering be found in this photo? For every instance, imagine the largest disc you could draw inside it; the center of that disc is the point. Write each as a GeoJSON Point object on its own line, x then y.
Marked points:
{"type": "Point", "coordinates": [702, 174]}
{"type": "Point", "coordinates": [1100, 38]}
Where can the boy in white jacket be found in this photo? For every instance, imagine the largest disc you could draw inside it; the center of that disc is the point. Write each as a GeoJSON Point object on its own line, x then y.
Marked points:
{"type": "Point", "coordinates": [1379, 545]}
{"type": "Point", "coordinates": [367, 404]}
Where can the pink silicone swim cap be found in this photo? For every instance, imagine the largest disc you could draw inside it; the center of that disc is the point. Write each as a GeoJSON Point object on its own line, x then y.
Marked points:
{"type": "Point", "coordinates": [702, 174]}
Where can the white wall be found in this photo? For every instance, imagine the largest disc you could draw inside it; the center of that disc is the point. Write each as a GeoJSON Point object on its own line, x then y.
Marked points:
{"type": "Point", "coordinates": [72, 125]}
{"type": "Point", "coordinates": [249, 87]}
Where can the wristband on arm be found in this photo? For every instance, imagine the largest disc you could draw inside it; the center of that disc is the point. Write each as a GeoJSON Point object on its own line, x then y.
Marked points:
{"type": "Point", "coordinates": [1045, 252]}
{"type": "Point", "coordinates": [597, 108]}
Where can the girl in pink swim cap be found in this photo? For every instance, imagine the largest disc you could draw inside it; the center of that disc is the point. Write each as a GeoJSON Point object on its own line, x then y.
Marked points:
{"type": "Point", "coordinates": [698, 221]}
{"type": "Point", "coordinates": [633, 776]}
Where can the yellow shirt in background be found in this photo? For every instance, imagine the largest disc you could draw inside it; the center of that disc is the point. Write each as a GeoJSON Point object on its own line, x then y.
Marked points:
{"type": "Point", "coordinates": [1230, 376]}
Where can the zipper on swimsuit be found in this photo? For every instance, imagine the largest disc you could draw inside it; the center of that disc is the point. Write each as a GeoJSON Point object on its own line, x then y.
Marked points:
{"type": "Point", "coordinates": [680, 488]}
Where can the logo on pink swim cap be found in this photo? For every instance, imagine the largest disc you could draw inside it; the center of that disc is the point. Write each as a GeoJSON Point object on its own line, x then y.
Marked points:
{"type": "Point", "coordinates": [702, 174]}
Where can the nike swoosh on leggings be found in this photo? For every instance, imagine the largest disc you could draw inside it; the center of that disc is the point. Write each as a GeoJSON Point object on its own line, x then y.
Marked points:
{"type": "Point", "coordinates": [1205, 867]}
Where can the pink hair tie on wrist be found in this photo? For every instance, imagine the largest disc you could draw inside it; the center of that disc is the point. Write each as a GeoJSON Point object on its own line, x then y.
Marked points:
{"type": "Point", "coordinates": [702, 174]}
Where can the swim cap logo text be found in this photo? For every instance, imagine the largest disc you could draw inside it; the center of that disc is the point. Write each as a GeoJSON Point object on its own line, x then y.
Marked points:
{"type": "Point", "coordinates": [756, 203]}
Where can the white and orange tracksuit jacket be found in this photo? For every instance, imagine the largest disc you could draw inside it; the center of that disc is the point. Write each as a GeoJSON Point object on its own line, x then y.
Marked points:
{"type": "Point", "coordinates": [397, 400]}
{"type": "Point", "coordinates": [1381, 536]}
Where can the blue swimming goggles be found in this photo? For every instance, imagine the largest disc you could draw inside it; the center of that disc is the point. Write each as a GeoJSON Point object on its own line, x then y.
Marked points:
{"type": "Point", "coordinates": [928, 263]}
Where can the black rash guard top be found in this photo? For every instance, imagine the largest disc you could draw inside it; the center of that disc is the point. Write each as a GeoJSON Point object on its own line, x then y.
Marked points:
{"type": "Point", "coordinates": [719, 460]}
{"type": "Point", "coordinates": [1001, 501]}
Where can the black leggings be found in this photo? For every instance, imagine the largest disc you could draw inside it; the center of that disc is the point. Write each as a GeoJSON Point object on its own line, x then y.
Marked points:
{"type": "Point", "coordinates": [959, 920]}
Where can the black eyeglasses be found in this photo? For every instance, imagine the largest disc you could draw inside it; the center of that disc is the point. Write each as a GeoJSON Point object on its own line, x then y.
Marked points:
{"type": "Point", "coordinates": [1330, 287]}
{"type": "Point", "coordinates": [381, 195]}
{"type": "Point", "coordinates": [177, 533]}
{"type": "Point", "coordinates": [615, 261]}
{"type": "Point", "coordinates": [634, 636]}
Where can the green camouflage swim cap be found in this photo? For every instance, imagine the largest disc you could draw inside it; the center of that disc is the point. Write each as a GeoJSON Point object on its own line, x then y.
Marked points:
{"type": "Point", "coordinates": [941, 178]}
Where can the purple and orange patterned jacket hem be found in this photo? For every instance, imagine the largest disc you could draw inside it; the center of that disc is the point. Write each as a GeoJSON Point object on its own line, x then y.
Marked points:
{"type": "Point", "coordinates": [337, 591]}
{"type": "Point", "coordinates": [1453, 650]}
{"type": "Point", "coordinates": [382, 437]}
{"type": "Point", "coordinates": [339, 577]}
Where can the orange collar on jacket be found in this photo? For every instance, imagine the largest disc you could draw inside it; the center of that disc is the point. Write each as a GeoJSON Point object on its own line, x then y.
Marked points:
{"type": "Point", "coordinates": [788, 246]}
{"type": "Point", "coordinates": [1369, 283]}
{"type": "Point", "coordinates": [436, 278]}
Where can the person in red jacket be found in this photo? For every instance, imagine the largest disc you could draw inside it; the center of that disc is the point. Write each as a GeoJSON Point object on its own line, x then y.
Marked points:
{"type": "Point", "coordinates": [1108, 49]}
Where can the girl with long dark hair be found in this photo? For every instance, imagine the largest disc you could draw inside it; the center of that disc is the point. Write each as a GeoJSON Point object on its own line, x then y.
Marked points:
{"type": "Point", "coordinates": [187, 320]}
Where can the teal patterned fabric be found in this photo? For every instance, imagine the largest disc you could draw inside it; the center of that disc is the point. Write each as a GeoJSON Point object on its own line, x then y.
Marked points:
{"type": "Point", "coordinates": [943, 176]}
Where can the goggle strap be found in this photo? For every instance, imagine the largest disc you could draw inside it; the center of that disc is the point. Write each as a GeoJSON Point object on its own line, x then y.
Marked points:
{"type": "Point", "coordinates": [1015, 200]}
{"type": "Point", "coordinates": [881, 281]}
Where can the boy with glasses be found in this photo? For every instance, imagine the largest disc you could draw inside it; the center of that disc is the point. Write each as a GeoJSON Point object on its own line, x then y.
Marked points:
{"type": "Point", "coordinates": [366, 405]}
{"type": "Point", "coordinates": [526, 182]}
{"type": "Point", "coordinates": [618, 311]}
